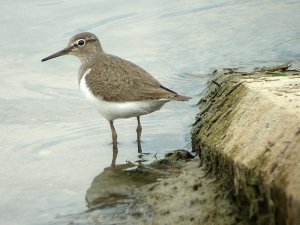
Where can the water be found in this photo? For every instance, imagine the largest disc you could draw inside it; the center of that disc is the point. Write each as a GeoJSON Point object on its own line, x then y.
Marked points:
{"type": "Point", "coordinates": [53, 143]}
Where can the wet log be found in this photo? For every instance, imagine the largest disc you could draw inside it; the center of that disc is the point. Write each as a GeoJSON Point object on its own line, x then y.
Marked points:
{"type": "Point", "coordinates": [248, 133]}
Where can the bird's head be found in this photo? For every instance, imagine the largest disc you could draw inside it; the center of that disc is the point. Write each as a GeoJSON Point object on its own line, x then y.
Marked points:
{"type": "Point", "coordinates": [83, 45]}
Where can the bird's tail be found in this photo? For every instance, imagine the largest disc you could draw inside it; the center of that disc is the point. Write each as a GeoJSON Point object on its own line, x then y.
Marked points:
{"type": "Point", "coordinates": [177, 97]}
{"type": "Point", "coordinates": [181, 98]}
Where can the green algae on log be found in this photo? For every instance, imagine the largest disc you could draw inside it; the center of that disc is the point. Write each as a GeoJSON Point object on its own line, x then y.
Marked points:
{"type": "Point", "coordinates": [248, 132]}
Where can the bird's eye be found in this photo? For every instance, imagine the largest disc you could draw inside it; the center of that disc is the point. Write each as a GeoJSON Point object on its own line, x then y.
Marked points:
{"type": "Point", "coordinates": [81, 43]}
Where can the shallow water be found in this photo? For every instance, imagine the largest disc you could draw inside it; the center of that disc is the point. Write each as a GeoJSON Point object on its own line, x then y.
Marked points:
{"type": "Point", "coordinates": [53, 143]}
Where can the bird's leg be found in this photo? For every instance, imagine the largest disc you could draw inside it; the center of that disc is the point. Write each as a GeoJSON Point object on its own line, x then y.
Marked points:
{"type": "Point", "coordinates": [115, 143]}
{"type": "Point", "coordinates": [138, 133]}
{"type": "Point", "coordinates": [113, 132]}
{"type": "Point", "coordinates": [115, 154]}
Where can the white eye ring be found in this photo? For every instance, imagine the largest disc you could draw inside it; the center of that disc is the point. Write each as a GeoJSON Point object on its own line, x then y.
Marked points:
{"type": "Point", "coordinates": [81, 42]}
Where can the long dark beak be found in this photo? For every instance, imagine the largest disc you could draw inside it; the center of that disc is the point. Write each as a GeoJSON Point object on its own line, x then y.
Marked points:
{"type": "Point", "coordinates": [57, 54]}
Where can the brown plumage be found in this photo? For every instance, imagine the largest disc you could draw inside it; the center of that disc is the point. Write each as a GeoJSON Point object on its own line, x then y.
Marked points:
{"type": "Point", "coordinates": [118, 80]}
{"type": "Point", "coordinates": [119, 88]}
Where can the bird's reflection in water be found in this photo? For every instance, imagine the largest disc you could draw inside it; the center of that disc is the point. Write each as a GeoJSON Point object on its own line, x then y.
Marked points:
{"type": "Point", "coordinates": [113, 196]}
{"type": "Point", "coordinates": [117, 183]}
{"type": "Point", "coordinates": [114, 191]}
{"type": "Point", "coordinates": [115, 151]}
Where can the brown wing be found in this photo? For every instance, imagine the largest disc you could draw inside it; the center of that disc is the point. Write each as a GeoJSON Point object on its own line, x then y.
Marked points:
{"type": "Point", "coordinates": [115, 79]}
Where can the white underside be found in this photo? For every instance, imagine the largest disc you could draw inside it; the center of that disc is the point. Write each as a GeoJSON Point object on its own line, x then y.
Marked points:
{"type": "Point", "coordinates": [116, 110]}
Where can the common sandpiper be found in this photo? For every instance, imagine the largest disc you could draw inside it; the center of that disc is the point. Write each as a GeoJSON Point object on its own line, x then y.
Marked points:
{"type": "Point", "coordinates": [117, 87]}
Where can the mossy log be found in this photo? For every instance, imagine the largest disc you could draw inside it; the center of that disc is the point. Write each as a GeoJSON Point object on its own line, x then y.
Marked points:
{"type": "Point", "coordinates": [248, 132]}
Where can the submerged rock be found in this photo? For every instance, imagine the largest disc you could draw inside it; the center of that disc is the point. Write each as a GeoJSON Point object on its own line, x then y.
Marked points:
{"type": "Point", "coordinates": [191, 198]}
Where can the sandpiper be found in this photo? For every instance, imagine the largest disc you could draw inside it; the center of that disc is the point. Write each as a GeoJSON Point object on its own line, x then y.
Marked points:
{"type": "Point", "coordinates": [118, 88]}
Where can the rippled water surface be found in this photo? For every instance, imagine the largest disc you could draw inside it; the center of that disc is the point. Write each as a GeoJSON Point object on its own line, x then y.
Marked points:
{"type": "Point", "coordinates": [53, 143]}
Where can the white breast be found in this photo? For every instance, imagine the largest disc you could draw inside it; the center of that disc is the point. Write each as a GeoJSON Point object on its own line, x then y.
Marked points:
{"type": "Point", "coordinates": [116, 110]}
